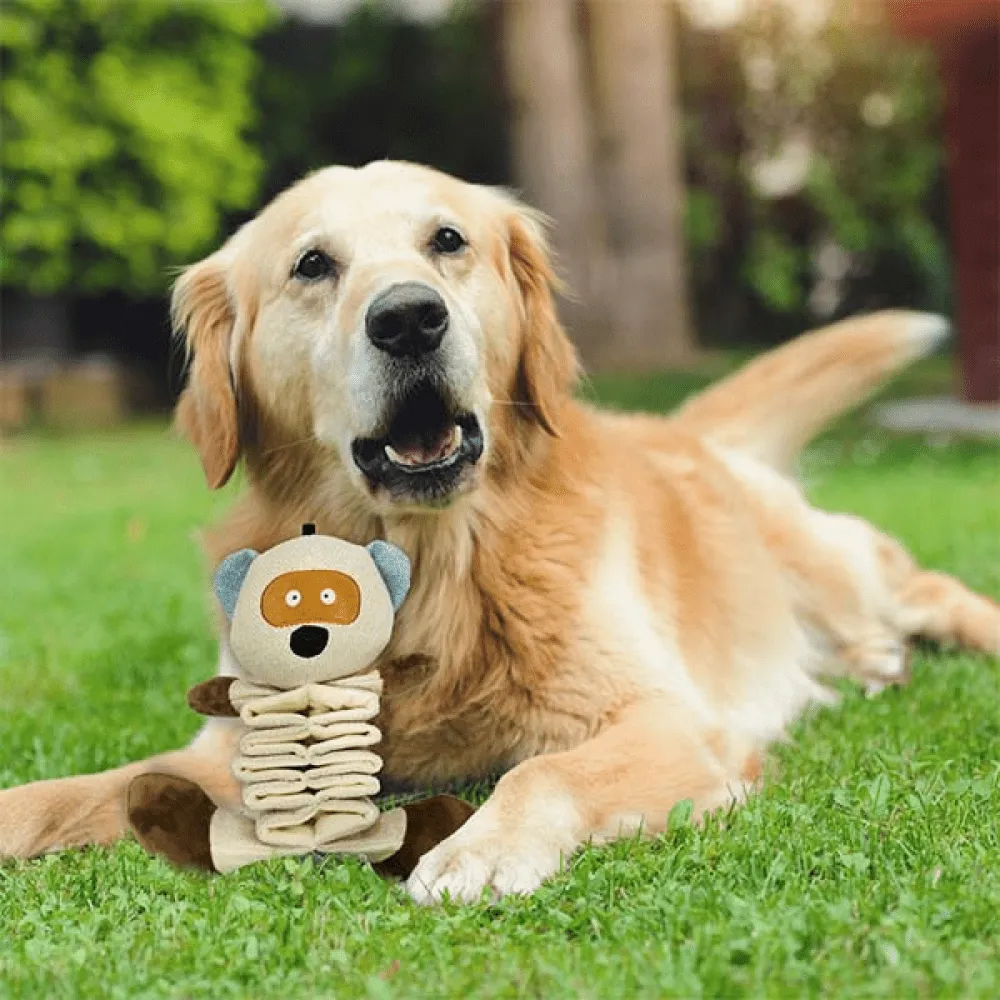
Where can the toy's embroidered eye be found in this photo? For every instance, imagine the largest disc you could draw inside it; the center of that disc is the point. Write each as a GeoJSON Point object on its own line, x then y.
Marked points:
{"type": "Point", "coordinates": [328, 596]}
{"type": "Point", "coordinates": [293, 598]}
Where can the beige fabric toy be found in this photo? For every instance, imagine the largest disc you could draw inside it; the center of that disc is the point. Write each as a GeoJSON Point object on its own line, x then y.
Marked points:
{"type": "Point", "coordinates": [307, 775]}
{"type": "Point", "coordinates": [308, 617]}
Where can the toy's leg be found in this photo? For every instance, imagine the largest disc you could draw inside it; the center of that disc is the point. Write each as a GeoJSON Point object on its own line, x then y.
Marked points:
{"type": "Point", "coordinates": [234, 842]}
{"type": "Point", "coordinates": [405, 835]}
{"type": "Point", "coordinates": [172, 817]}
{"type": "Point", "coordinates": [177, 820]}
{"type": "Point", "coordinates": [428, 822]}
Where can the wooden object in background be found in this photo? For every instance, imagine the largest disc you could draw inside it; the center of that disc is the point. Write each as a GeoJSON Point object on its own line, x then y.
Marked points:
{"type": "Point", "coordinates": [15, 399]}
{"type": "Point", "coordinates": [89, 394]}
{"type": "Point", "coordinates": [966, 36]}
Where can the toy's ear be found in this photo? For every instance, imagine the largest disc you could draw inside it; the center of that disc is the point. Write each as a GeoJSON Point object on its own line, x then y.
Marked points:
{"type": "Point", "coordinates": [229, 578]}
{"type": "Point", "coordinates": [394, 568]}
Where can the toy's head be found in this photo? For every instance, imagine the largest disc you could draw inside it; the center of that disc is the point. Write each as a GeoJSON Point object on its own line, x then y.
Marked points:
{"type": "Point", "coordinates": [315, 608]}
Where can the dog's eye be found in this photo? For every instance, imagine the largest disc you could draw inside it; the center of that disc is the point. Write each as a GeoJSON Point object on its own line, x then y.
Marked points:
{"type": "Point", "coordinates": [293, 598]}
{"type": "Point", "coordinates": [313, 265]}
{"type": "Point", "coordinates": [448, 240]}
{"type": "Point", "coordinates": [328, 596]}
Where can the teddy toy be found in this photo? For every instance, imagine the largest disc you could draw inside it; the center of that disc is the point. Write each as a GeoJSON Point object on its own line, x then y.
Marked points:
{"type": "Point", "coordinates": [307, 618]}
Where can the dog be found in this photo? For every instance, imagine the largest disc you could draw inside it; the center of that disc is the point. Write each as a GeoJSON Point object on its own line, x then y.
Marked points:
{"type": "Point", "coordinates": [617, 612]}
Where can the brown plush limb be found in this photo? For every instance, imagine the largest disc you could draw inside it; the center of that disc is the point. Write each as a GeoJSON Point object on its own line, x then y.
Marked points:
{"type": "Point", "coordinates": [170, 817]}
{"type": "Point", "coordinates": [428, 822]}
{"type": "Point", "coordinates": [212, 697]}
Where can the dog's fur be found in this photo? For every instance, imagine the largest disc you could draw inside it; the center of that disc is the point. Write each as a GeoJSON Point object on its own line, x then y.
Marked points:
{"type": "Point", "coordinates": [621, 610]}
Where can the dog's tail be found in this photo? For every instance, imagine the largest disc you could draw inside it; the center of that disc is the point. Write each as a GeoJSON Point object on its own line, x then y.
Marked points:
{"type": "Point", "coordinates": [773, 406]}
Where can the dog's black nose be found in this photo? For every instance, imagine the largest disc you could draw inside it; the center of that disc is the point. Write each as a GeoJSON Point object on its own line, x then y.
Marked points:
{"type": "Point", "coordinates": [408, 319]}
{"type": "Point", "coordinates": [309, 640]}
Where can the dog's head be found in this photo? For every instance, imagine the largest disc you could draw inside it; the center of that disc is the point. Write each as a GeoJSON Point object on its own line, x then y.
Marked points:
{"type": "Point", "coordinates": [398, 321]}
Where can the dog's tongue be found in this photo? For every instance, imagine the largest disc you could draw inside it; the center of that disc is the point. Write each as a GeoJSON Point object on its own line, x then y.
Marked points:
{"type": "Point", "coordinates": [424, 450]}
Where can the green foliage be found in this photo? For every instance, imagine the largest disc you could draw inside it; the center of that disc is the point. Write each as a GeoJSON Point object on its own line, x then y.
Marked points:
{"type": "Point", "coordinates": [866, 108]}
{"type": "Point", "coordinates": [774, 269]}
{"type": "Point", "coordinates": [124, 141]}
{"type": "Point", "coordinates": [136, 131]}
{"type": "Point", "coordinates": [376, 86]}
{"type": "Point", "coordinates": [702, 222]}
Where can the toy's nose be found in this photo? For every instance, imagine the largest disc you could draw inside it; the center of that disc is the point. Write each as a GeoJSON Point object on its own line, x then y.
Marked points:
{"type": "Point", "coordinates": [309, 640]}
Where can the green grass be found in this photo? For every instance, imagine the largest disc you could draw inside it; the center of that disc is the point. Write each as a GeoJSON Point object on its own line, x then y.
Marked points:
{"type": "Point", "coordinates": [868, 866]}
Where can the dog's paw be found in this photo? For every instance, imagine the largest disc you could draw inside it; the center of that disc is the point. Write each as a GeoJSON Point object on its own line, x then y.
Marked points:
{"type": "Point", "coordinates": [468, 864]}
{"type": "Point", "coordinates": [880, 663]}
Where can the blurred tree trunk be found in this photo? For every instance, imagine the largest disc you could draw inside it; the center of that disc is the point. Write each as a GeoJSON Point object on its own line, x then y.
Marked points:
{"type": "Point", "coordinates": [554, 150]}
{"type": "Point", "coordinates": [640, 129]}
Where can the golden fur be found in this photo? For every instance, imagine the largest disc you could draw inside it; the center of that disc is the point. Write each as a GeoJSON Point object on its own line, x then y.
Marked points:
{"type": "Point", "coordinates": [622, 610]}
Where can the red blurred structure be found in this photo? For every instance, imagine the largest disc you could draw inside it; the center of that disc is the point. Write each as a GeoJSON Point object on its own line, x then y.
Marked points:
{"type": "Point", "coordinates": [966, 36]}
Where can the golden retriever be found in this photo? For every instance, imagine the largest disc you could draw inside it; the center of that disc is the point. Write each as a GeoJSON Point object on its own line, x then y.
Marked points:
{"type": "Point", "coordinates": [620, 612]}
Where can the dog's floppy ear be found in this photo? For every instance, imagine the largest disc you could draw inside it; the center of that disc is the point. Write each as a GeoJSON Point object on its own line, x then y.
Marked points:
{"type": "Point", "coordinates": [548, 366]}
{"type": "Point", "coordinates": [202, 311]}
{"type": "Point", "coordinates": [229, 577]}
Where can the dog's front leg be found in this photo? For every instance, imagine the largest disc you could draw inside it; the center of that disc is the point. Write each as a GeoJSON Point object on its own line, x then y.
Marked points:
{"type": "Point", "coordinates": [624, 780]}
{"type": "Point", "coordinates": [61, 813]}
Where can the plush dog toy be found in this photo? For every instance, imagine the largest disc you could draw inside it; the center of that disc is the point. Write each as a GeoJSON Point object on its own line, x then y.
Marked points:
{"type": "Point", "coordinates": [307, 618]}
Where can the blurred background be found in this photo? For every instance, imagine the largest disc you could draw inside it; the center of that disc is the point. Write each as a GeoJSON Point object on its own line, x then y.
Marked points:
{"type": "Point", "coordinates": [722, 174]}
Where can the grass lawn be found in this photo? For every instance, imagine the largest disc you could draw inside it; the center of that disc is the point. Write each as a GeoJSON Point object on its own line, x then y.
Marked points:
{"type": "Point", "coordinates": [868, 866]}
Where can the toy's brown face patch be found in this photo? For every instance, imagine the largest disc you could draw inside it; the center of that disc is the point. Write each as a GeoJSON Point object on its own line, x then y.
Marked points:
{"type": "Point", "coordinates": [311, 596]}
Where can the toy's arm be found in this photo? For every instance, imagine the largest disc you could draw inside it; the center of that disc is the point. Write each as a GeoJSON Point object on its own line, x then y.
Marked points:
{"type": "Point", "coordinates": [428, 822]}
{"type": "Point", "coordinates": [212, 697]}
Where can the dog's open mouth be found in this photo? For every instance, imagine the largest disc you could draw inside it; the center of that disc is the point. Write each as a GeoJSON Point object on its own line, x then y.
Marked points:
{"type": "Point", "coordinates": [426, 450]}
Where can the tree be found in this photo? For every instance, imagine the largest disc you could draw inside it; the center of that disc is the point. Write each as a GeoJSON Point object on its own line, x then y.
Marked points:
{"type": "Point", "coordinates": [552, 138]}
{"type": "Point", "coordinates": [640, 127]}
{"type": "Point", "coordinates": [124, 143]}
{"type": "Point", "coordinates": [814, 171]}
{"type": "Point", "coordinates": [604, 161]}
{"type": "Point", "coordinates": [374, 85]}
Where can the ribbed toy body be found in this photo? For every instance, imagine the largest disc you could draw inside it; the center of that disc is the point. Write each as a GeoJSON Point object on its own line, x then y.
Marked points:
{"type": "Point", "coordinates": [305, 762]}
